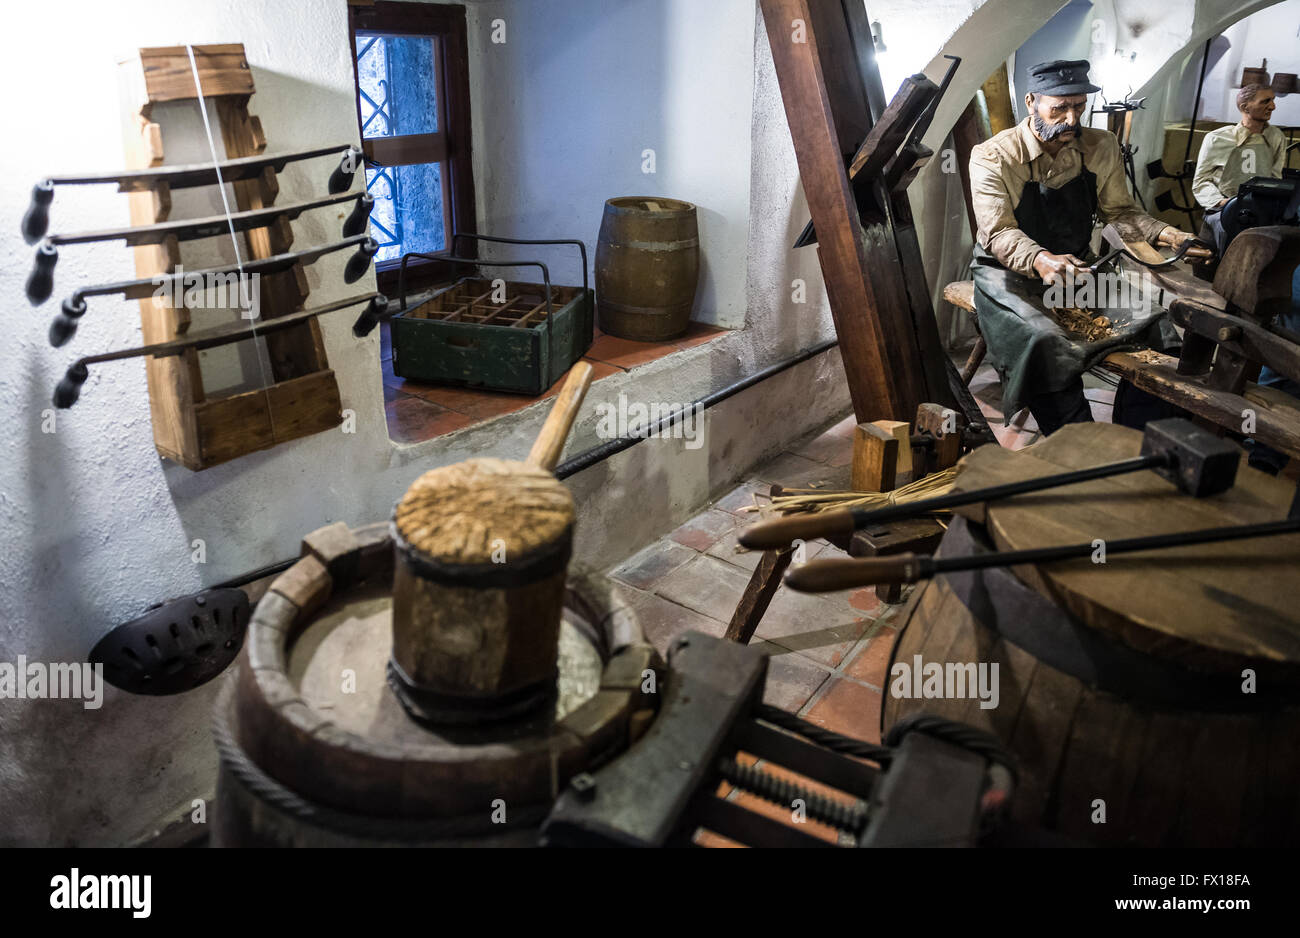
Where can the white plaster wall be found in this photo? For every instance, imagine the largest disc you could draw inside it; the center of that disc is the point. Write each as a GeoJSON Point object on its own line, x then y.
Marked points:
{"type": "Point", "coordinates": [98, 527]}
{"type": "Point", "coordinates": [1272, 34]}
{"type": "Point", "coordinates": [565, 108]}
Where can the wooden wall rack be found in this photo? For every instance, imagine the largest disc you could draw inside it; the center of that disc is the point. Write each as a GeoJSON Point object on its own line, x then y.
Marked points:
{"type": "Point", "coordinates": [191, 427]}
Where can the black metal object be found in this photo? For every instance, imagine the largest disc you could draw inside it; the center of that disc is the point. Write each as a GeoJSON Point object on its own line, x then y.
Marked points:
{"type": "Point", "coordinates": [1195, 460]}
{"type": "Point", "coordinates": [175, 646]}
{"type": "Point", "coordinates": [664, 788]}
{"type": "Point", "coordinates": [1261, 201]}
{"type": "Point", "coordinates": [1116, 253]}
{"type": "Point", "coordinates": [1127, 150]}
{"type": "Point", "coordinates": [1156, 168]}
{"type": "Point", "coordinates": [69, 388]}
{"type": "Point", "coordinates": [40, 284]}
{"type": "Point", "coordinates": [36, 220]}
{"type": "Point", "coordinates": [64, 326]}
{"type": "Point", "coordinates": [910, 568]}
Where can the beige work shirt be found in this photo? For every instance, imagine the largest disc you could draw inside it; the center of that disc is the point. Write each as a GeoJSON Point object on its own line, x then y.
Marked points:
{"type": "Point", "coordinates": [1224, 164]}
{"type": "Point", "coordinates": [1001, 166]}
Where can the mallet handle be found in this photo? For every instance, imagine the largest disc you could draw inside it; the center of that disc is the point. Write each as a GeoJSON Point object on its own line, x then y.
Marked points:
{"type": "Point", "coordinates": [549, 444]}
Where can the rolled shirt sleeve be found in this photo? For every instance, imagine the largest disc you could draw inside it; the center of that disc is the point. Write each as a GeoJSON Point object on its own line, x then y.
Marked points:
{"type": "Point", "coordinates": [995, 216]}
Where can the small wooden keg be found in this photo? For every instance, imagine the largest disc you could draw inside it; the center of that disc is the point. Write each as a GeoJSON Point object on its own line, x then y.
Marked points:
{"type": "Point", "coordinates": [647, 267]}
{"type": "Point", "coordinates": [1151, 701]}
{"type": "Point", "coordinates": [482, 549]}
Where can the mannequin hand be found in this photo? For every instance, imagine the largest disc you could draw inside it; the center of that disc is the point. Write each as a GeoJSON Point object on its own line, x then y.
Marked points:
{"type": "Point", "coordinates": [1172, 237]}
{"type": "Point", "coordinates": [1051, 267]}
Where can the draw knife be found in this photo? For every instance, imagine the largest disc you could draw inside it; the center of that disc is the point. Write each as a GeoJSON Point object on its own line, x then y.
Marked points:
{"type": "Point", "coordinates": [69, 387]}
{"type": "Point", "coordinates": [40, 283]}
{"type": "Point", "coordinates": [37, 218]}
{"type": "Point", "coordinates": [64, 326]}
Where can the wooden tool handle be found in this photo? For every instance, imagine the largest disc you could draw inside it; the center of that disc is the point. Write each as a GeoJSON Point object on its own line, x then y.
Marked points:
{"type": "Point", "coordinates": [826, 576]}
{"type": "Point", "coordinates": [780, 532]}
{"type": "Point", "coordinates": [550, 442]}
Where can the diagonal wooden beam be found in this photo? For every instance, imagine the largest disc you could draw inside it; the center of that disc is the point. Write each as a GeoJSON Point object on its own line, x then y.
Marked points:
{"type": "Point", "coordinates": [871, 311]}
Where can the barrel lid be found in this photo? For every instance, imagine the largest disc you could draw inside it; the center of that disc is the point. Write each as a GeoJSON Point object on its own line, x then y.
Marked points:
{"type": "Point", "coordinates": [653, 205]}
{"type": "Point", "coordinates": [1209, 605]}
{"type": "Point", "coordinates": [484, 511]}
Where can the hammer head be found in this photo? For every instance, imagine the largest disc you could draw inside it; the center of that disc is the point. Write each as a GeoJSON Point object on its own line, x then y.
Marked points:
{"type": "Point", "coordinates": [1199, 462]}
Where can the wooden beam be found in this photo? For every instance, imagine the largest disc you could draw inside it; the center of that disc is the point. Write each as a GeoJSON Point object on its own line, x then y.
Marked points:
{"type": "Point", "coordinates": [871, 313]}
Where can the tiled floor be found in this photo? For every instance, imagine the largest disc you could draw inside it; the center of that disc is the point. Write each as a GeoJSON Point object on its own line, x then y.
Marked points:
{"type": "Point", "coordinates": [829, 653]}
{"type": "Point", "coordinates": [418, 412]}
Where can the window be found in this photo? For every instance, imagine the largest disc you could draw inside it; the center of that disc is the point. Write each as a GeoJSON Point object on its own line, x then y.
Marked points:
{"type": "Point", "coordinates": [412, 75]}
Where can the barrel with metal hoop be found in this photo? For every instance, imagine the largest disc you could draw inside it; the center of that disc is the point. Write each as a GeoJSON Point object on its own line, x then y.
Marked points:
{"type": "Point", "coordinates": [1151, 698]}
{"type": "Point", "coordinates": [316, 749]}
{"type": "Point", "coordinates": [647, 267]}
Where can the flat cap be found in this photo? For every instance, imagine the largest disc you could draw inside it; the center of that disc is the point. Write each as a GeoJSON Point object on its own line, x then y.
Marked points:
{"type": "Point", "coordinates": [1061, 78]}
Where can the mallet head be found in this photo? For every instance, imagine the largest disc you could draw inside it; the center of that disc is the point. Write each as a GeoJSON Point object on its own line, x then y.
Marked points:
{"type": "Point", "coordinates": [1199, 462]}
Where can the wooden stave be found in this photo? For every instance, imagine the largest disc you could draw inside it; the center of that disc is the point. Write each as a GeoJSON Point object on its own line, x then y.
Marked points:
{"type": "Point", "coordinates": [299, 749]}
{"type": "Point", "coordinates": [1153, 775]}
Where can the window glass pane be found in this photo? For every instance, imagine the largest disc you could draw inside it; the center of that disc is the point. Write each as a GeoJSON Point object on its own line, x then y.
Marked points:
{"type": "Point", "coordinates": [408, 212]}
{"type": "Point", "coordinates": [397, 86]}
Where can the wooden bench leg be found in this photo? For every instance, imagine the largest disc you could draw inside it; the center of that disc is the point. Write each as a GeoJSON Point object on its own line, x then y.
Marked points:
{"type": "Point", "coordinates": [758, 594]}
{"type": "Point", "coordinates": [976, 359]}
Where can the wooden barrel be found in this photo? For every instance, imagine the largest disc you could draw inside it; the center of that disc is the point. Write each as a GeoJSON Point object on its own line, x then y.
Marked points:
{"type": "Point", "coordinates": [1155, 702]}
{"type": "Point", "coordinates": [647, 267]}
{"type": "Point", "coordinates": [316, 749]}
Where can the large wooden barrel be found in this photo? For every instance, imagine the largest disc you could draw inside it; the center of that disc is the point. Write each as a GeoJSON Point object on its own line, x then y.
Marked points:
{"type": "Point", "coordinates": [647, 267]}
{"type": "Point", "coordinates": [317, 750]}
{"type": "Point", "coordinates": [1160, 693]}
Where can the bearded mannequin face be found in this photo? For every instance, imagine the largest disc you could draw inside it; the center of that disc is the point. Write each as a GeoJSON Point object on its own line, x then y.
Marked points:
{"type": "Point", "coordinates": [1056, 118]}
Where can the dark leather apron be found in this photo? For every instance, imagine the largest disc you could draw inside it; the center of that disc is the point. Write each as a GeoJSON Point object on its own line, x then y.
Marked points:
{"type": "Point", "coordinates": [1032, 354]}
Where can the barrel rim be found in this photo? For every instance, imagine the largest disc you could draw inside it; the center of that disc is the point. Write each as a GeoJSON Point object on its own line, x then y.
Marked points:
{"type": "Point", "coordinates": [679, 207]}
{"type": "Point", "coordinates": [296, 744]}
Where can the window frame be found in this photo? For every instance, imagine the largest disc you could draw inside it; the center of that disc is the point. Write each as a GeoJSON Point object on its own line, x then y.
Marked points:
{"type": "Point", "coordinates": [451, 145]}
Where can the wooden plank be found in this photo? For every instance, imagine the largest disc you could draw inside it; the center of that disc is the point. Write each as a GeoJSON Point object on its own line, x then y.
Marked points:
{"type": "Point", "coordinates": [997, 98]}
{"type": "Point", "coordinates": [762, 586]}
{"type": "Point", "coordinates": [293, 352]}
{"type": "Point", "coordinates": [168, 76]}
{"type": "Point", "coordinates": [1216, 607]}
{"type": "Point", "coordinates": [1277, 413]}
{"type": "Point", "coordinates": [242, 423]}
{"type": "Point", "coordinates": [1177, 280]}
{"type": "Point", "coordinates": [870, 312]}
{"type": "Point", "coordinates": [875, 459]}
{"type": "Point", "coordinates": [405, 150]}
{"type": "Point", "coordinates": [971, 129]}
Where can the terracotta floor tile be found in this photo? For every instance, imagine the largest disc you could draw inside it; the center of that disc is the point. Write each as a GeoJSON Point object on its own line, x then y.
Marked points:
{"type": "Point", "coordinates": [728, 550]}
{"type": "Point", "coordinates": [626, 353]}
{"type": "Point", "coordinates": [412, 420]}
{"type": "Point", "coordinates": [706, 585]}
{"type": "Point", "coordinates": [812, 626]}
{"type": "Point", "coordinates": [871, 661]}
{"type": "Point", "coordinates": [705, 529]}
{"type": "Point", "coordinates": [849, 708]}
{"type": "Point", "coordinates": [662, 621]}
{"type": "Point", "coordinates": [793, 471]}
{"type": "Point", "coordinates": [791, 678]}
{"type": "Point", "coordinates": [829, 448]}
{"type": "Point", "coordinates": [744, 495]}
{"type": "Point", "coordinates": [649, 565]}
{"type": "Point", "coordinates": [865, 600]}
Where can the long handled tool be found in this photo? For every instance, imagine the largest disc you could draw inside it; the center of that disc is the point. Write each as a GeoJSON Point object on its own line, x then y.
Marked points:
{"type": "Point", "coordinates": [549, 444]}
{"type": "Point", "coordinates": [1196, 461]}
{"type": "Point", "coordinates": [1201, 249]}
{"type": "Point", "coordinates": [37, 218]}
{"type": "Point", "coordinates": [40, 284]}
{"type": "Point", "coordinates": [69, 388]}
{"type": "Point", "coordinates": [824, 576]}
{"type": "Point", "coordinates": [64, 326]}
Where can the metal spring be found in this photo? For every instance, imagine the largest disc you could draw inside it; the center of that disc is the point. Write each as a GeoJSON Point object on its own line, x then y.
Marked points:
{"type": "Point", "coordinates": [847, 817]}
